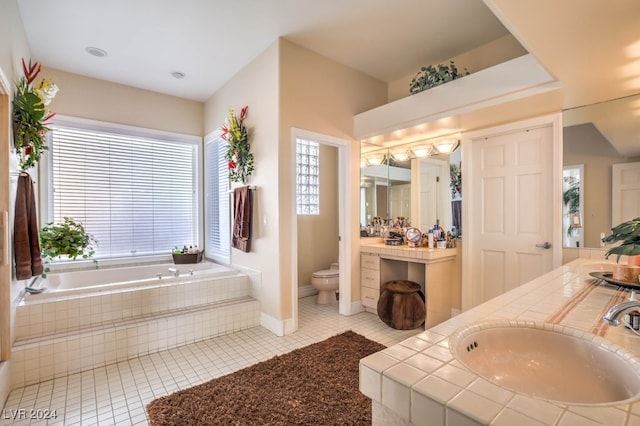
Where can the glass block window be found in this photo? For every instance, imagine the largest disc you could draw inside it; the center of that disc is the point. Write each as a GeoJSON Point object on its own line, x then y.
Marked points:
{"type": "Point", "coordinates": [307, 177]}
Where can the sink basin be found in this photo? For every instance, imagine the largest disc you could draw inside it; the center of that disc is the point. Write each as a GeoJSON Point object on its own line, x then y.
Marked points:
{"type": "Point", "coordinates": [554, 363]}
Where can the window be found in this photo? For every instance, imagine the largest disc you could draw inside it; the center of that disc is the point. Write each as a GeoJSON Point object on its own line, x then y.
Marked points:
{"type": "Point", "coordinates": [136, 194]}
{"type": "Point", "coordinates": [307, 176]}
{"type": "Point", "coordinates": [216, 184]}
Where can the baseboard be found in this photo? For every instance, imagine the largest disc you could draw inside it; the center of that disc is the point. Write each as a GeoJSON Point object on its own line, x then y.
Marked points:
{"type": "Point", "coordinates": [306, 291]}
{"type": "Point", "coordinates": [272, 324]}
{"type": "Point", "coordinates": [356, 307]}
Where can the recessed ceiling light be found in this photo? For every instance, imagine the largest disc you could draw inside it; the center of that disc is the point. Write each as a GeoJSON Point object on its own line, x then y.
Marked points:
{"type": "Point", "coordinates": [177, 74]}
{"type": "Point", "coordinates": [94, 51]}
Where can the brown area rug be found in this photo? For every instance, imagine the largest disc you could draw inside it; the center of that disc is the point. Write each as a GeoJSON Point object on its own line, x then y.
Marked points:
{"type": "Point", "coordinates": [314, 385]}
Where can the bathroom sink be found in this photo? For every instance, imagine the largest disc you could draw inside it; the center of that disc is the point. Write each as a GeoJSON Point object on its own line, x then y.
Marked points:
{"type": "Point", "coordinates": [559, 364]}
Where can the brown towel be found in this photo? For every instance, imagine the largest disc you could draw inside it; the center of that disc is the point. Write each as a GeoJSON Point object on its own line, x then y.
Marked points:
{"type": "Point", "coordinates": [26, 241]}
{"type": "Point", "coordinates": [242, 221]}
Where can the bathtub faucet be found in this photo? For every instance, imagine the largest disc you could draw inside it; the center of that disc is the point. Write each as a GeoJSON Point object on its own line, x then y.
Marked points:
{"type": "Point", "coordinates": [175, 272]}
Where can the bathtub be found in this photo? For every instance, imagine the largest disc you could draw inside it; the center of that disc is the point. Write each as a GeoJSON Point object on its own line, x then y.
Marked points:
{"type": "Point", "coordinates": [58, 285]}
{"type": "Point", "coordinates": [87, 319]}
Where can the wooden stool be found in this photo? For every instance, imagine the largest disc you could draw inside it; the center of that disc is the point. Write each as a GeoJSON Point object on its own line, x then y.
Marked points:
{"type": "Point", "coordinates": [401, 305]}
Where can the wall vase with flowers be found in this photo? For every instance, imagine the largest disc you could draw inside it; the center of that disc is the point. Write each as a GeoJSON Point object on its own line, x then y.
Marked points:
{"type": "Point", "coordinates": [31, 116]}
{"type": "Point", "coordinates": [239, 157]}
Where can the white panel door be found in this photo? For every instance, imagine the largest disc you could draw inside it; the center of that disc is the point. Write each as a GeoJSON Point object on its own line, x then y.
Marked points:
{"type": "Point", "coordinates": [512, 213]}
{"type": "Point", "coordinates": [625, 192]}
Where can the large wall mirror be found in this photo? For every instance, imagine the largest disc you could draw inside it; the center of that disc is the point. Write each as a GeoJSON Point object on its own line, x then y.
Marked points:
{"type": "Point", "coordinates": [595, 137]}
{"type": "Point", "coordinates": [405, 182]}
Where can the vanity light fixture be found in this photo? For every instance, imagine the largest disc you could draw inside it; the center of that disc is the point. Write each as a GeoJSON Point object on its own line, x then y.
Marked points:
{"type": "Point", "coordinates": [423, 151]}
{"type": "Point", "coordinates": [446, 146]}
{"type": "Point", "coordinates": [403, 155]}
{"type": "Point", "coordinates": [375, 159]}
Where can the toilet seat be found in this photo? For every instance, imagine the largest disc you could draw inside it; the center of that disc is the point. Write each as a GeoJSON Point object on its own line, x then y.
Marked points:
{"type": "Point", "coordinates": [326, 273]}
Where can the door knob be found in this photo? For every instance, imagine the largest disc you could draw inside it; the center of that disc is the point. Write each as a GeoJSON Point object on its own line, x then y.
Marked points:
{"type": "Point", "coordinates": [544, 245]}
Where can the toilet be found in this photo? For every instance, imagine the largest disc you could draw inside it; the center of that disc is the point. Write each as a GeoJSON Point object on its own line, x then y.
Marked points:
{"type": "Point", "coordinates": [327, 282]}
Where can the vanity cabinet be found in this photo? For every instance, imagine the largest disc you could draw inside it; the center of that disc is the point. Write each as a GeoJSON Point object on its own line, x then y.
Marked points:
{"type": "Point", "coordinates": [370, 280]}
{"type": "Point", "coordinates": [436, 270]}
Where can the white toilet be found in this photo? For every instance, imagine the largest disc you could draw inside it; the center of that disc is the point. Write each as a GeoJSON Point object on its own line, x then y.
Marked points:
{"type": "Point", "coordinates": [327, 282]}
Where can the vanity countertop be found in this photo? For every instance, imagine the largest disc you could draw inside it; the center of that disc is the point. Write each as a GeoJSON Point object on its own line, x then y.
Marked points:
{"type": "Point", "coordinates": [419, 380]}
{"type": "Point", "coordinates": [404, 251]}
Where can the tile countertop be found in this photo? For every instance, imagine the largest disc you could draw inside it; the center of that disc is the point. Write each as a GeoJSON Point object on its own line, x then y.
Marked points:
{"type": "Point", "coordinates": [420, 381]}
{"type": "Point", "coordinates": [404, 251]}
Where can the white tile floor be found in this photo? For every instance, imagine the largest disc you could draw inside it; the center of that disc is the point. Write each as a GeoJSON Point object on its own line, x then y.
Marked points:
{"type": "Point", "coordinates": [118, 393]}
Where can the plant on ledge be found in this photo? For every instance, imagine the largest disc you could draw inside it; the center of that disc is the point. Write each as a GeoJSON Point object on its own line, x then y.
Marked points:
{"type": "Point", "coordinates": [432, 76]}
{"type": "Point", "coordinates": [239, 157]}
{"type": "Point", "coordinates": [30, 115]}
{"type": "Point", "coordinates": [68, 238]}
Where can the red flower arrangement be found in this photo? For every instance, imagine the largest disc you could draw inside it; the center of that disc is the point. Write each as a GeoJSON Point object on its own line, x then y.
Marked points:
{"type": "Point", "coordinates": [239, 157]}
{"type": "Point", "coordinates": [30, 115]}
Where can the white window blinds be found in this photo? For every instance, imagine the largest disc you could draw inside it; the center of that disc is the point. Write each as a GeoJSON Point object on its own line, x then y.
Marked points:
{"type": "Point", "coordinates": [217, 211]}
{"type": "Point", "coordinates": [136, 195]}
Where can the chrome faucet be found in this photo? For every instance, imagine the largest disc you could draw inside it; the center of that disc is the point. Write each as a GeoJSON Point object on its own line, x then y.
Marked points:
{"type": "Point", "coordinates": [175, 272]}
{"type": "Point", "coordinates": [612, 317]}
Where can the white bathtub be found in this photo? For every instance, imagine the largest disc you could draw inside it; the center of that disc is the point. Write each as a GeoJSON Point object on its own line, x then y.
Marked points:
{"type": "Point", "coordinates": [112, 279]}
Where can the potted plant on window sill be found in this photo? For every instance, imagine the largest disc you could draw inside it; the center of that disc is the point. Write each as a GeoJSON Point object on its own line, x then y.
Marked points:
{"type": "Point", "coordinates": [629, 234]}
{"type": "Point", "coordinates": [68, 239]}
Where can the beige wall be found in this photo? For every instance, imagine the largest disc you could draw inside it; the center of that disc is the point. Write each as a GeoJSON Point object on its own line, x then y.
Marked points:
{"type": "Point", "coordinates": [493, 53]}
{"type": "Point", "coordinates": [257, 86]}
{"type": "Point", "coordinates": [584, 144]}
{"type": "Point", "coordinates": [320, 95]}
{"type": "Point", "coordinates": [318, 234]}
{"type": "Point", "coordinates": [13, 47]}
{"type": "Point", "coordinates": [86, 97]}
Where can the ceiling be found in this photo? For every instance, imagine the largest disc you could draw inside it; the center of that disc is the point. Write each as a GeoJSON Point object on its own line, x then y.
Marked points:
{"type": "Point", "coordinates": [211, 40]}
{"type": "Point", "coordinates": [591, 46]}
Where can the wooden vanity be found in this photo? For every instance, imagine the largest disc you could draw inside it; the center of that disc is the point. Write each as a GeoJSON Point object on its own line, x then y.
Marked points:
{"type": "Point", "coordinates": [436, 270]}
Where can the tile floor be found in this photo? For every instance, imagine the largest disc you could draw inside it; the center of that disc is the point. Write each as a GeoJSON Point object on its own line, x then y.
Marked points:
{"type": "Point", "coordinates": [118, 393]}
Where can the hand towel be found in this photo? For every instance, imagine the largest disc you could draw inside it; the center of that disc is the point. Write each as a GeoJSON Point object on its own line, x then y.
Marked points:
{"type": "Point", "coordinates": [26, 240]}
{"type": "Point", "coordinates": [243, 218]}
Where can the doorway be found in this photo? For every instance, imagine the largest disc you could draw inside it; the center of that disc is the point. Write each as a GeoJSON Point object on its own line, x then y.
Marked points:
{"type": "Point", "coordinates": [343, 147]}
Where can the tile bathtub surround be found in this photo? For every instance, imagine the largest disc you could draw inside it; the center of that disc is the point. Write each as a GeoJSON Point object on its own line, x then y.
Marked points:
{"type": "Point", "coordinates": [41, 317]}
{"type": "Point", "coordinates": [442, 391]}
{"type": "Point", "coordinates": [117, 393]}
{"type": "Point", "coordinates": [79, 333]}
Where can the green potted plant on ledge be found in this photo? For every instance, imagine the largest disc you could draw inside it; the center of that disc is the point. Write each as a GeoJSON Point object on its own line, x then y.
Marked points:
{"type": "Point", "coordinates": [68, 238]}
{"type": "Point", "coordinates": [629, 234]}
{"type": "Point", "coordinates": [432, 76]}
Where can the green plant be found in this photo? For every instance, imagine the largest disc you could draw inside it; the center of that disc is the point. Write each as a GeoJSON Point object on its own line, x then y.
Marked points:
{"type": "Point", "coordinates": [456, 180]}
{"type": "Point", "coordinates": [629, 233]}
{"type": "Point", "coordinates": [68, 238]}
{"type": "Point", "coordinates": [432, 76]}
{"type": "Point", "coordinates": [571, 198]}
{"type": "Point", "coordinates": [30, 115]}
{"type": "Point", "coordinates": [239, 156]}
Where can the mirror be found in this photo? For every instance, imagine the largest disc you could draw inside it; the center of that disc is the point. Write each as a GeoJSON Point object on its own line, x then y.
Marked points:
{"type": "Point", "coordinates": [594, 138]}
{"type": "Point", "coordinates": [385, 188]}
{"type": "Point", "coordinates": [417, 189]}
